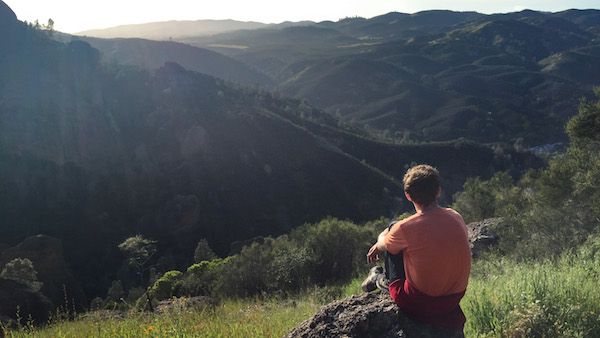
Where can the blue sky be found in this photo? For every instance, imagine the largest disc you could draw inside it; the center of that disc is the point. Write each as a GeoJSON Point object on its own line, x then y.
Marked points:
{"type": "Point", "coordinates": [77, 15]}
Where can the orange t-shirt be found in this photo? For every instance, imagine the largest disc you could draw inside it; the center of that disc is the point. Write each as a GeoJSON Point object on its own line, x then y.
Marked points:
{"type": "Point", "coordinates": [435, 246]}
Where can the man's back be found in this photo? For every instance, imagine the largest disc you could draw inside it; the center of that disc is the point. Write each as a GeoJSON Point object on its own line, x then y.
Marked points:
{"type": "Point", "coordinates": [435, 246]}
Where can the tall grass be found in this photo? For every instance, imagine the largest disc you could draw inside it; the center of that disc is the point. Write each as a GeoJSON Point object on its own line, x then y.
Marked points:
{"type": "Point", "coordinates": [552, 298]}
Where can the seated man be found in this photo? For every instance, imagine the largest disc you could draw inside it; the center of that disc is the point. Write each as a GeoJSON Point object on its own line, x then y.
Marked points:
{"type": "Point", "coordinates": [427, 255]}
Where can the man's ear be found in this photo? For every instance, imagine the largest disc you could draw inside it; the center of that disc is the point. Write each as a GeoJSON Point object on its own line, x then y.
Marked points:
{"type": "Point", "coordinates": [408, 196]}
{"type": "Point", "coordinates": [439, 193]}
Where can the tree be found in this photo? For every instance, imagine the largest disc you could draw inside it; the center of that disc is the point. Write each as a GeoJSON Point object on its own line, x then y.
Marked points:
{"type": "Point", "coordinates": [22, 271]}
{"type": "Point", "coordinates": [203, 252]}
{"type": "Point", "coordinates": [138, 251]}
{"type": "Point", "coordinates": [584, 128]}
{"type": "Point", "coordinates": [50, 26]}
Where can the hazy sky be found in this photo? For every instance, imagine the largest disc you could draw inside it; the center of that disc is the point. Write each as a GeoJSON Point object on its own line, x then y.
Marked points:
{"type": "Point", "coordinates": [76, 15]}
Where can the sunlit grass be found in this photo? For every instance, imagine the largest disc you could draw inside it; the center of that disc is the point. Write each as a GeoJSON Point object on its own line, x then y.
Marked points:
{"type": "Point", "coordinates": [234, 318]}
{"type": "Point", "coordinates": [534, 299]}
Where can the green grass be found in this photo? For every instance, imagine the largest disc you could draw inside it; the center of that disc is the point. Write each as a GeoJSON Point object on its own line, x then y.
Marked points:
{"type": "Point", "coordinates": [558, 298]}
{"type": "Point", "coordinates": [234, 318]}
{"type": "Point", "coordinates": [554, 298]}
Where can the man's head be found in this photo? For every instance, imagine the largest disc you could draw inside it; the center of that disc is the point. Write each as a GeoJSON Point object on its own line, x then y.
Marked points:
{"type": "Point", "coordinates": [422, 184]}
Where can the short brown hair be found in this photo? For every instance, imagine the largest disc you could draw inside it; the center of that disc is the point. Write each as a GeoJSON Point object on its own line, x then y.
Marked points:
{"type": "Point", "coordinates": [422, 183]}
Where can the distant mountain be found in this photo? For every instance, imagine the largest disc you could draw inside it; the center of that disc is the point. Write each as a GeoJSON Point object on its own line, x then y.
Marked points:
{"type": "Point", "coordinates": [396, 25]}
{"type": "Point", "coordinates": [92, 153]}
{"type": "Point", "coordinates": [180, 30]}
{"type": "Point", "coordinates": [153, 55]}
{"type": "Point", "coordinates": [273, 49]}
{"type": "Point", "coordinates": [172, 29]}
{"type": "Point", "coordinates": [435, 75]}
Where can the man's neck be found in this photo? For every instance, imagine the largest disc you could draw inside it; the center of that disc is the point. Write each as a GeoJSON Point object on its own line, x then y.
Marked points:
{"type": "Point", "coordinates": [423, 209]}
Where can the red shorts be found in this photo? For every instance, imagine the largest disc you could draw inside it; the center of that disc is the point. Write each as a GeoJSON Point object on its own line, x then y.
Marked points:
{"type": "Point", "coordinates": [441, 311]}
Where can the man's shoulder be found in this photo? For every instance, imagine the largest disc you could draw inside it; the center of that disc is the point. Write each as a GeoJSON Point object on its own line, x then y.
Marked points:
{"type": "Point", "coordinates": [454, 213]}
{"type": "Point", "coordinates": [408, 221]}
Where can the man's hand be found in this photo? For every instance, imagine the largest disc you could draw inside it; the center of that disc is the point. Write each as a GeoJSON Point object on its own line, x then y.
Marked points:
{"type": "Point", "coordinates": [377, 248]}
{"type": "Point", "coordinates": [373, 254]}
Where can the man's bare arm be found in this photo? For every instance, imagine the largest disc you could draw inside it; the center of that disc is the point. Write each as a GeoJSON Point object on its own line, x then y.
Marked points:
{"type": "Point", "coordinates": [381, 240]}
{"type": "Point", "coordinates": [378, 247]}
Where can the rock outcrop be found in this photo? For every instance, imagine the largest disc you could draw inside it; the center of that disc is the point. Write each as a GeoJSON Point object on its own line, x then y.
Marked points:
{"type": "Point", "coordinates": [46, 253]}
{"type": "Point", "coordinates": [18, 301]}
{"type": "Point", "coordinates": [370, 315]}
{"type": "Point", "coordinates": [481, 235]}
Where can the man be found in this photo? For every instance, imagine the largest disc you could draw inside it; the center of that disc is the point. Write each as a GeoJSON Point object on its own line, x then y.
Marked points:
{"type": "Point", "coordinates": [427, 255]}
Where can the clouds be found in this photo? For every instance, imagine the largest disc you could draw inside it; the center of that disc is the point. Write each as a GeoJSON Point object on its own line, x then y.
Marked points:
{"type": "Point", "coordinates": [73, 16]}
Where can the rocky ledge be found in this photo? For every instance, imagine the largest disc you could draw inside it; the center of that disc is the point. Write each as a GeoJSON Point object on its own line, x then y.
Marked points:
{"type": "Point", "coordinates": [368, 315]}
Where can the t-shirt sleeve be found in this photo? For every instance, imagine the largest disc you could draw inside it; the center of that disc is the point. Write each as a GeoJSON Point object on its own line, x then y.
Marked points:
{"type": "Point", "coordinates": [395, 241]}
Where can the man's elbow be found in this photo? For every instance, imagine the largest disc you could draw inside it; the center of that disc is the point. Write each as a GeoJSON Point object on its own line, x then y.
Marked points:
{"type": "Point", "coordinates": [393, 250]}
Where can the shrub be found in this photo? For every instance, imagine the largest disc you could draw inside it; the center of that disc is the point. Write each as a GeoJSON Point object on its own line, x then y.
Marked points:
{"type": "Point", "coordinates": [291, 266]}
{"type": "Point", "coordinates": [21, 270]}
{"type": "Point", "coordinates": [199, 279]}
{"type": "Point", "coordinates": [337, 248]}
{"type": "Point", "coordinates": [246, 273]}
{"type": "Point", "coordinates": [485, 199]}
{"type": "Point", "coordinates": [167, 285]}
{"type": "Point", "coordinates": [325, 252]}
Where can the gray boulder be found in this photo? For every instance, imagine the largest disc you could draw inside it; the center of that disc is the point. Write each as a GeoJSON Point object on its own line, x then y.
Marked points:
{"type": "Point", "coordinates": [481, 235]}
{"type": "Point", "coordinates": [370, 315]}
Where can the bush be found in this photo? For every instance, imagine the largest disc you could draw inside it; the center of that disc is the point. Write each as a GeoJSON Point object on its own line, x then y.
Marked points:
{"type": "Point", "coordinates": [326, 252]}
{"type": "Point", "coordinates": [485, 199]}
{"type": "Point", "coordinates": [291, 266]}
{"type": "Point", "coordinates": [199, 279]}
{"type": "Point", "coordinates": [22, 271]}
{"type": "Point", "coordinates": [166, 286]}
{"type": "Point", "coordinates": [338, 248]}
{"type": "Point", "coordinates": [246, 273]}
